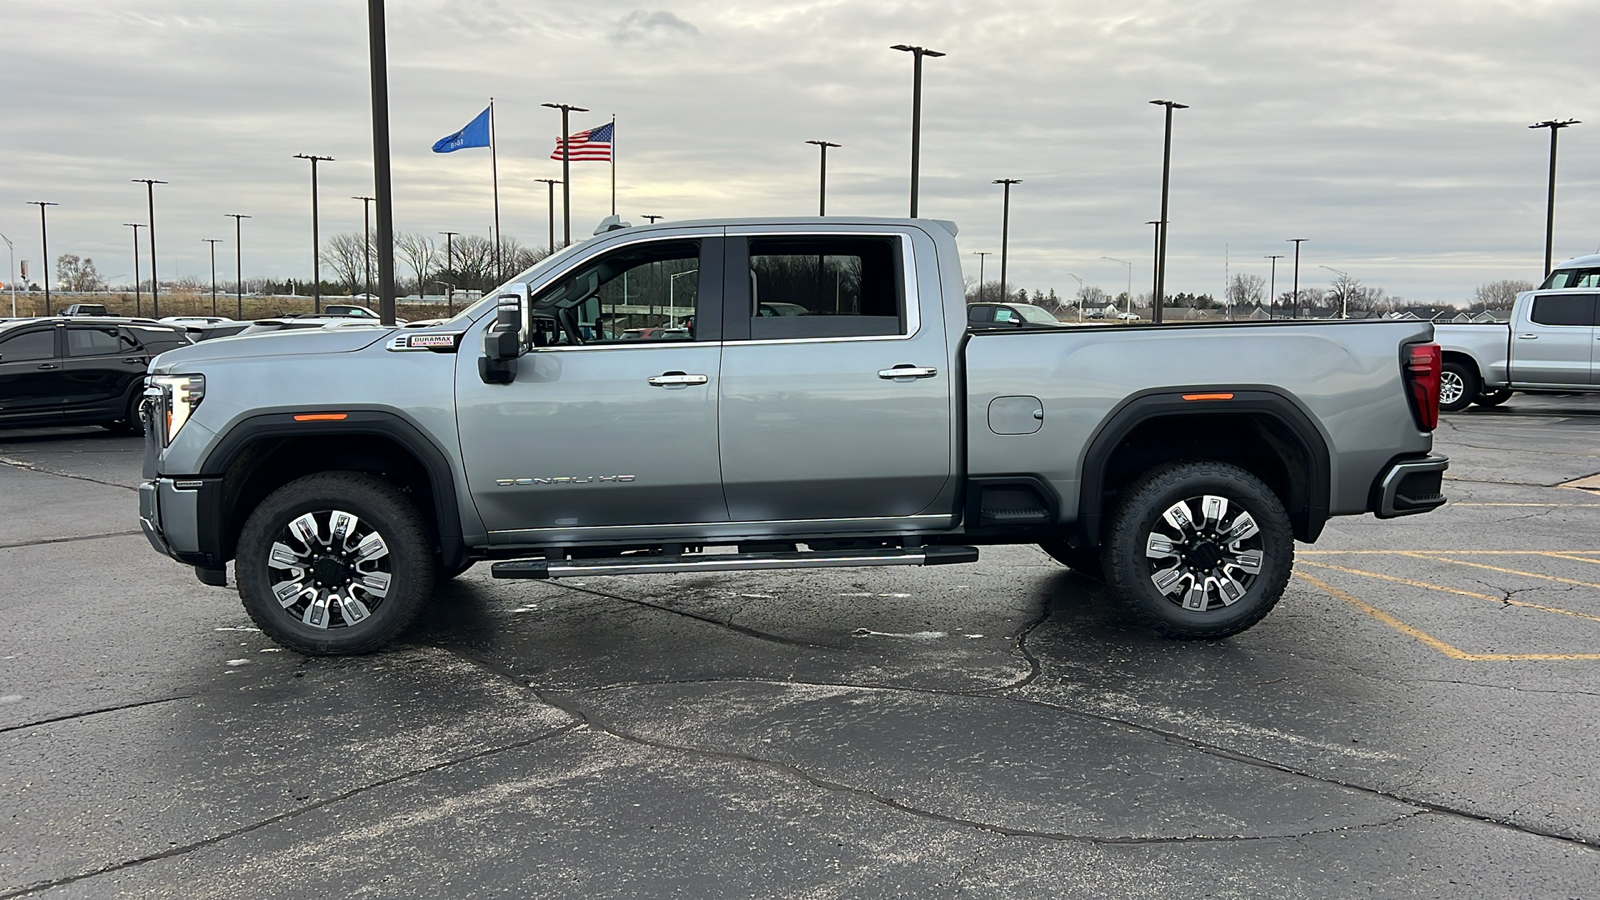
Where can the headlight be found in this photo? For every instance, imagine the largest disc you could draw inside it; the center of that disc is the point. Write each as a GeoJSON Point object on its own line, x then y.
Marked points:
{"type": "Point", "coordinates": [175, 398]}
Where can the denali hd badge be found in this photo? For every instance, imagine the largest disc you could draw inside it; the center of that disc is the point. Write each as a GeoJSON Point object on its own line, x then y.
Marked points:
{"type": "Point", "coordinates": [564, 479]}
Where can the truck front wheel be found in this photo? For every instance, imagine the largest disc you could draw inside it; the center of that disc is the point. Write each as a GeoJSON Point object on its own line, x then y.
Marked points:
{"type": "Point", "coordinates": [335, 563]}
{"type": "Point", "coordinates": [1199, 550]}
{"type": "Point", "coordinates": [1458, 386]}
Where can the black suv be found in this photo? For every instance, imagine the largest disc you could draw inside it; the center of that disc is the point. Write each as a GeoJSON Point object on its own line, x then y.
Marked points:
{"type": "Point", "coordinates": [78, 371]}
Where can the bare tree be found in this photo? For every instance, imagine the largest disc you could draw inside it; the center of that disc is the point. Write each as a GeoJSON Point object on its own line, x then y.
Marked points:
{"type": "Point", "coordinates": [420, 254]}
{"type": "Point", "coordinates": [346, 254]}
{"type": "Point", "coordinates": [1497, 294]}
{"type": "Point", "coordinates": [74, 274]}
{"type": "Point", "coordinates": [1246, 290]}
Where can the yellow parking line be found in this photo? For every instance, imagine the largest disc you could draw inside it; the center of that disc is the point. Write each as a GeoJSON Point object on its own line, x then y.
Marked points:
{"type": "Point", "coordinates": [1553, 554]}
{"type": "Point", "coordinates": [1450, 590]}
{"type": "Point", "coordinates": [1447, 649]}
{"type": "Point", "coordinates": [1461, 562]}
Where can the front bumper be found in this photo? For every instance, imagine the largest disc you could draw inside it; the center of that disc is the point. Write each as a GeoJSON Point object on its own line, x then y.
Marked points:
{"type": "Point", "coordinates": [150, 517]}
{"type": "Point", "coordinates": [169, 515]}
{"type": "Point", "coordinates": [1411, 486]}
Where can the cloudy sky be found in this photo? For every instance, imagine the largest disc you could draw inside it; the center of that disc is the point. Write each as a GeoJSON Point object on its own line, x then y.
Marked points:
{"type": "Point", "coordinates": [1393, 135]}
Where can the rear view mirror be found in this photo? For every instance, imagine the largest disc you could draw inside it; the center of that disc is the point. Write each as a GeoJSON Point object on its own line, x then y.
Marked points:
{"type": "Point", "coordinates": [504, 341]}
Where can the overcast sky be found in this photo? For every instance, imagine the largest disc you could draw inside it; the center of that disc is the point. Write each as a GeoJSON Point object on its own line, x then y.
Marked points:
{"type": "Point", "coordinates": [1393, 135]}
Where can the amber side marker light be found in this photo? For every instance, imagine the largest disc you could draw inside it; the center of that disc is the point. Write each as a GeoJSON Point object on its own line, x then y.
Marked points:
{"type": "Point", "coordinates": [321, 417]}
{"type": "Point", "coordinates": [1208, 396]}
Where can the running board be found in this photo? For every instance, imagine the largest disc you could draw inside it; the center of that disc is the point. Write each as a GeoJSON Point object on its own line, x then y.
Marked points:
{"type": "Point", "coordinates": [733, 562]}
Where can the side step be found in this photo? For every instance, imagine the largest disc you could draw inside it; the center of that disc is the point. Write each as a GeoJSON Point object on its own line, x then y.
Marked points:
{"type": "Point", "coordinates": [734, 562]}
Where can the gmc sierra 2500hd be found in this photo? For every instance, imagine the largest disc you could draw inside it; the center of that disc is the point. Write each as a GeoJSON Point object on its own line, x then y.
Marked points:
{"type": "Point", "coordinates": [772, 394]}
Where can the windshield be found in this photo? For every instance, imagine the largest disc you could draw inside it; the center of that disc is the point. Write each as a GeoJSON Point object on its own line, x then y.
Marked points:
{"type": "Point", "coordinates": [527, 276]}
{"type": "Point", "coordinates": [1036, 316]}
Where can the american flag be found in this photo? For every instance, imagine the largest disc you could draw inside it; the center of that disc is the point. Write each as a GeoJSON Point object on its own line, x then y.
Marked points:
{"type": "Point", "coordinates": [592, 144]}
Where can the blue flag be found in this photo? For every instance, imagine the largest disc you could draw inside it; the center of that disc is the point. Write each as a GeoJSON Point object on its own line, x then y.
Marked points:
{"type": "Point", "coordinates": [476, 134]}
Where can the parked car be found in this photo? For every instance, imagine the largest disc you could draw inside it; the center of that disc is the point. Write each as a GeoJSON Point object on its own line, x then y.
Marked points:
{"type": "Point", "coordinates": [78, 370]}
{"type": "Point", "coordinates": [1128, 316]}
{"type": "Point", "coordinates": [301, 323]}
{"type": "Point", "coordinates": [86, 309]}
{"type": "Point", "coordinates": [344, 472]}
{"type": "Point", "coordinates": [1547, 346]}
{"type": "Point", "coordinates": [1016, 314]}
{"type": "Point", "coordinates": [193, 320]}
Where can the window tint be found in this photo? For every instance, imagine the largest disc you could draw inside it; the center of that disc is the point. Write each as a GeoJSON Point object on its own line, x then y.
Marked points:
{"type": "Point", "coordinates": [1570, 309]}
{"type": "Point", "coordinates": [645, 293]}
{"type": "Point", "coordinates": [978, 315]}
{"type": "Point", "coordinates": [1572, 278]}
{"type": "Point", "coordinates": [29, 345]}
{"type": "Point", "coordinates": [825, 287]}
{"type": "Point", "coordinates": [97, 342]}
{"type": "Point", "coordinates": [155, 339]}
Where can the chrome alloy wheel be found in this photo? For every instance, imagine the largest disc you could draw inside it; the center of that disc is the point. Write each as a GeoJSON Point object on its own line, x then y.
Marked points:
{"type": "Point", "coordinates": [1207, 561]}
{"type": "Point", "coordinates": [329, 569]}
{"type": "Point", "coordinates": [1451, 387]}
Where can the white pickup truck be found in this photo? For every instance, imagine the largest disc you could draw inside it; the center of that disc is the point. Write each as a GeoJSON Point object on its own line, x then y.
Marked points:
{"type": "Point", "coordinates": [1549, 344]}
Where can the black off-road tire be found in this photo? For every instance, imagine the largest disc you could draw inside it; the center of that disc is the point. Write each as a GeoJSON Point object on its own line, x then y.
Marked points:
{"type": "Point", "coordinates": [1493, 398]}
{"type": "Point", "coordinates": [1458, 386]}
{"type": "Point", "coordinates": [1085, 562]}
{"type": "Point", "coordinates": [1204, 556]}
{"type": "Point", "coordinates": [354, 618]}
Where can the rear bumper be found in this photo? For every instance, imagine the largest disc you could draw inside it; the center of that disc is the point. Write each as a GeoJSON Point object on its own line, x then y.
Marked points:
{"type": "Point", "coordinates": [1411, 486]}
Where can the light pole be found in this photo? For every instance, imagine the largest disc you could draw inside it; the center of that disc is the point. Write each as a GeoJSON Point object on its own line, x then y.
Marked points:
{"type": "Point", "coordinates": [1130, 281]}
{"type": "Point", "coordinates": [1155, 266]}
{"type": "Point", "coordinates": [981, 254]}
{"type": "Point", "coordinates": [366, 236]}
{"type": "Point", "coordinates": [1550, 205]}
{"type": "Point", "coordinates": [213, 242]}
{"type": "Point", "coordinates": [316, 245]}
{"type": "Point", "coordinates": [1272, 286]}
{"type": "Point", "coordinates": [378, 66]}
{"type": "Point", "coordinates": [1344, 299]}
{"type": "Point", "coordinates": [1166, 171]}
{"type": "Point", "coordinates": [138, 300]}
{"type": "Point", "coordinates": [1079, 304]}
{"type": "Point", "coordinates": [916, 114]}
{"type": "Point", "coordinates": [652, 218]}
{"type": "Point", "coordinates": [551, 190]}
{"type": "Point", "coordinates": [672, 297]}
{"type": "Point", "coordinates": [155, 280]}
{"type": "Point", "coordinates": [1005, 229]}
{"type": "Point", "coordinates": [1294, 301]}
{"type": "Point", "coordinates": [566, 171]}
{"type": "Point", "coordinates": [11, 273]}
{"type": "Point", "coordinates": [450, 291]}
{"type": "Point", "coordinates": [44, 240]}
{"type": "Point", "coordinates": [822, 191]}
{"type": "Point", "coordinates": [238, 261]}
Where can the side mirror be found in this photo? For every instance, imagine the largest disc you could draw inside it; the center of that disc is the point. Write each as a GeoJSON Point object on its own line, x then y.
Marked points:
{"type": "Point", "coordinates": [506, 339]}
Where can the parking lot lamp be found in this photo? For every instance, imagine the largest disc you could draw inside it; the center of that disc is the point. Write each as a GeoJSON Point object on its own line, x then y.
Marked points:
{"type": "Point", "coordinates": [316, 245]}
{"type": "Point", "coordinates": [1550, 205]}
{"type": "Point", "coordinates": [366, 237]}
{"type": "Point", "coordinates": [213, 242]}
{"type": "Point", "coordinates": [11, 274]}
{"type": "Point", "coordinates": [1079, 304]}
{"type": "Point", "coordinates": [1344, 299]}
{"type": "Point", "coordinates": [1005, 229]}
{"type": "Point", "coordinates": [550, 188]}
{"type": "Point", "coordinates": [1272, 286]}
{"type": "Point", "coordinates": [566, 171]}
{"type": "Point", "coordinates": [155, 281]}
{"type": "Point", "coordinates": [916, 114]}
{"type": "Point", "coordinates": [138, 299]}
{"type": "Point", "coordinates": [238, 262]}
{"type": "Point", "coordinates": [1161, 242]}
{"type": "Point", "coordinates": [450, 294]}
{"type": "Point", "coordinates": [1130, 280]}
{"type": "Point", "coordinates": [44, 240]}
{"type": "Point", "coordinates": [1294, 300]}
{"type": "Point", "coordinates": [822, 190]}
{"type": "Point", "coordinates": [980, 254]}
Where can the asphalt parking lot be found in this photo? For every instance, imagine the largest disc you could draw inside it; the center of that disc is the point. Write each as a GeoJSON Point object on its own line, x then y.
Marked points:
{"type": "Point", "coordinates": [1417, 718]}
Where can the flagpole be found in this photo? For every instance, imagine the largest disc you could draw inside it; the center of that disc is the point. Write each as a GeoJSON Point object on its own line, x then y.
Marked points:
{"type": "Point", "coordinates": [613, 164]}
{"type": "Point", "coordinates": [494, 169]}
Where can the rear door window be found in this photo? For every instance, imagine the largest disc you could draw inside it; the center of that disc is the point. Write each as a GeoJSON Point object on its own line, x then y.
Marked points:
{"type": "Point", "coordinates": [1564, 309]}
{"type": "Point", "coordinates": [825, 286]}
{"type": "Point", "coordinates": [29, 345]}
{"type": "Point", "coordinates": [104, 341]}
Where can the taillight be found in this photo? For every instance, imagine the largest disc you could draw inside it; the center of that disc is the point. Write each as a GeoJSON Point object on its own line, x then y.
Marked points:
{"type": "Point", "coordinates": [1421, 370]}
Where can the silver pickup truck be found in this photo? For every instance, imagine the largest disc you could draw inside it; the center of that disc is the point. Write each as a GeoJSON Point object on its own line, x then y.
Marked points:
{"type": "Point", "coordinates": [1549, 344]}
{"type": "Point", "coordinates": [772, 394]}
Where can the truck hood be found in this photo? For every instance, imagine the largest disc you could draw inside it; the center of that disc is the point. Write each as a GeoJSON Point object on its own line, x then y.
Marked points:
{"type": "Point", "coordinates": [273, 343]}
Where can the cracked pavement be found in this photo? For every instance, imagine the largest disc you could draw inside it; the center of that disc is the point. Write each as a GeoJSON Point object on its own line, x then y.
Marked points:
{"type": "Point", "coordinates": [997, 729]}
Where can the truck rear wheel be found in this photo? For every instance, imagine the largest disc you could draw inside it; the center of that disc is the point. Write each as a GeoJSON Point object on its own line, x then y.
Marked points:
{"type": "Point", "coordinates": [335, 563]}
{"type": "Point", "coordinates": [1458, 385]}
{"type": "Point", "coordinates": [1199, 550]}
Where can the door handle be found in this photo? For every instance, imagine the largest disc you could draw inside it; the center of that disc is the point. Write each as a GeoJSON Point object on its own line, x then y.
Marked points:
{"type": "Point", "coordinates": [670, 378]}
{"type": "Point", "coordinates": [132, 360]}
{"type": "Point", "coordinates": [48, 366]}
{"type": "Point", "coordinates": [1527, 337]}
{"type": "Point", "coordinates": [908, 371]}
